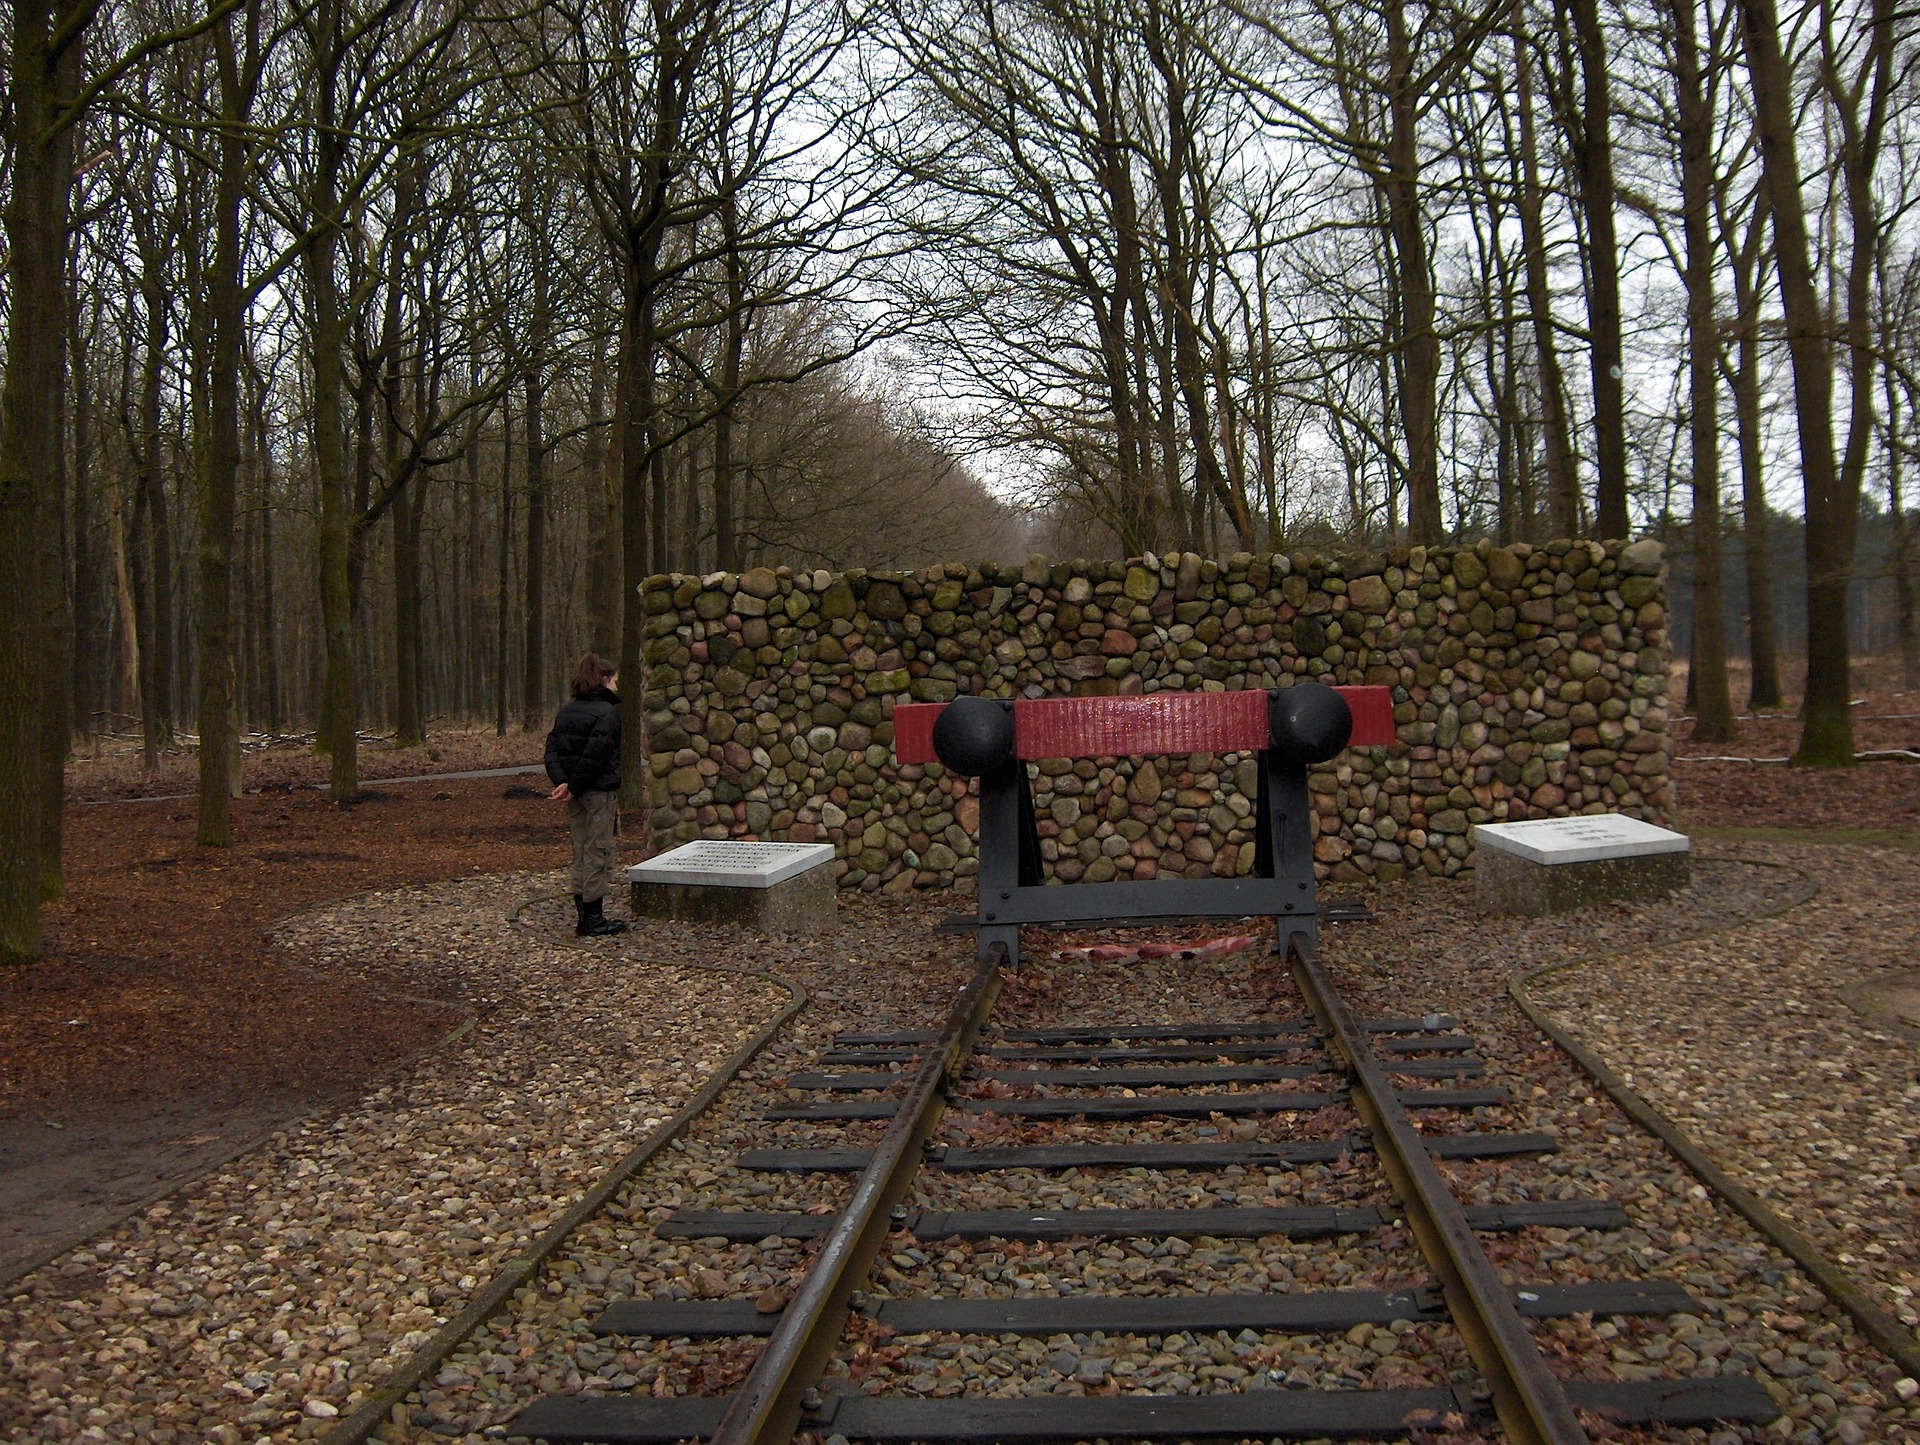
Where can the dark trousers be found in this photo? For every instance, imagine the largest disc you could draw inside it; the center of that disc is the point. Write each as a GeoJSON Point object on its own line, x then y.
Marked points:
{"type": "Point", "coordinates": [592, 819]}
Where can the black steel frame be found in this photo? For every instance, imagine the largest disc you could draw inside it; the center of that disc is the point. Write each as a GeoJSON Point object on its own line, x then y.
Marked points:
{"type": "Point", "coordinates": [1013, 889]}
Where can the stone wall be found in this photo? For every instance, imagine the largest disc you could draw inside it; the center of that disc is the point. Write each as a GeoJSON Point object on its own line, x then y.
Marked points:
{"type": "Point", "coordinates": [1527, 682]}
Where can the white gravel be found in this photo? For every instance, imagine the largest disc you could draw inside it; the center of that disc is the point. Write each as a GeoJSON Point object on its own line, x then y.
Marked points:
{"type": "Point", "coordinates": [1764, 1317]}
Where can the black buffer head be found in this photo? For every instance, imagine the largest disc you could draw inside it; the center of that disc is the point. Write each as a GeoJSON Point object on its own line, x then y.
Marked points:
{"type": "Point", "coordinates": [974, 735]}
{"type": "Point", "coordinates": [1309, 722]}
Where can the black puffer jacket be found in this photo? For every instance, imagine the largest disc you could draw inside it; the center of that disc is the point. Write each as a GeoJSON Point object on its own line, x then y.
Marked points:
{"type": "Point", "coordinates": [583, 750]}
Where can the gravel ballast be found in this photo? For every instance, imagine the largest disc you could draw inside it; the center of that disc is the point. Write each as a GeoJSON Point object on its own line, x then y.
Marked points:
{"type": "Point", "coordinates": [270, 1296]}
{"type": "Point", "coordinates": [1428, 952]}
{"type": "Point", "coordinates": [1750, 1043]}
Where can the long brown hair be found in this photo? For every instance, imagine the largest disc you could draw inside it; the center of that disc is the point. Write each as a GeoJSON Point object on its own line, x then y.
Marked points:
{"type": "Point", "coordinates": [592, 672]}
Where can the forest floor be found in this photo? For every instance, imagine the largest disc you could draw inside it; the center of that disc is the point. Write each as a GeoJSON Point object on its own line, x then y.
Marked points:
{"type": "Point", "coordinates": [110, 767]}
{"type": "Point", "coordinates": [163, 1031]}
{"type": "Point", "coordinates": [1745, 788]}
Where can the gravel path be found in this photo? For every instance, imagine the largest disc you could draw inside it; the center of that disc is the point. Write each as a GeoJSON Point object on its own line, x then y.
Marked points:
{"type": "Point", "coordinates": [1748, 1042]}
{"type": "Point", "coordinates": [264, 1299]}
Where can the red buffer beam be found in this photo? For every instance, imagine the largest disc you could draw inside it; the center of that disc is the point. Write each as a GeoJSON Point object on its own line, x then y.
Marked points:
{"type": "Point", "coordinates": [1153, 725]}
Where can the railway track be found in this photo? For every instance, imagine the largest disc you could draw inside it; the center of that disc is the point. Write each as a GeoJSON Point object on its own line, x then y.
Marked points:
{"type": "Point", "coordinates": [941, 1132]}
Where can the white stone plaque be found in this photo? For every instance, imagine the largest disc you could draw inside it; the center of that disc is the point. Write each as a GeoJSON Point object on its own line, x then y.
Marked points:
{"type": "Point", "coordinates": [719, 863]}
{"type": "Point", "coordinates": [1587, 839]}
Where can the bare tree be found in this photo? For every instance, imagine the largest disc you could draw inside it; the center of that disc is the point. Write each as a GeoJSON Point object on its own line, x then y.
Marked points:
{"type": "Point", "coordinates": [1562, 475]}
{"type": "Point", "coordinates": [1860, 94]}
{"type": "Point", "coordinates": [1694, 131]}
{"type": "Point", "coordinates": [1588, 124]}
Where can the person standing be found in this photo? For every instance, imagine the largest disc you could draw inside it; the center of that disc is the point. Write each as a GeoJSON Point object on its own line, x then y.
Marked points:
{"type": "Point", "coordinates": [583, 764]}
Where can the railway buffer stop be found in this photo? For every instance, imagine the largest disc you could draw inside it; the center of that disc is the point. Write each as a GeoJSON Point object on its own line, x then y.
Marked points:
{"type": "Point", "coordinates": [1290, 728]}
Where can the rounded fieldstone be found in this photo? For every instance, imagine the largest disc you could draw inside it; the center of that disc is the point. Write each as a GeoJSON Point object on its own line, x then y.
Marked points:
{"type": "Point", "coordinates": [1504, 569]}
{"type": "Point", "coordinates": [837, 600]}
{"type": "Point", "coordinates": [1527, 696]}
{"type": "Point", "coordinates": [1369, 594]}
{"type": "Point", "coordinates": [1643, 558]}
{"type": "Point", "coordinates": [1638, 591]}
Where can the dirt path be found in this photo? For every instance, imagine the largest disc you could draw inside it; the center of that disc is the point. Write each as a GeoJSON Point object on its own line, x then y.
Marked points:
{"type": "Point", "coordinates": [162, 1030]}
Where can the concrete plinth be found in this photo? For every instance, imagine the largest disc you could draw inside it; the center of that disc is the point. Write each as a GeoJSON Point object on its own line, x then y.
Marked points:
{"type": "Point", "coordinates": [774, 887]}
{"type": "Point", "coordinates": [1555, 865]}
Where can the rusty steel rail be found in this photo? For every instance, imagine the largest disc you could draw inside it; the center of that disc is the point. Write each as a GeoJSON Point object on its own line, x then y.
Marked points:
{"type": "Point", "coordinates": [769, 1406]}
{"type": "Point", "coordinates": [1532, 1406]}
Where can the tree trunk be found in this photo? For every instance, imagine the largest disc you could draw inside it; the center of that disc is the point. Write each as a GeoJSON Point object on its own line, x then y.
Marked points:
{"type": "Point", "coordinates": [726, 530]}
{"type": "Point", "coordinates": [1503, 385]}
{"type": "Point", "coordinates": [339, 704]}
{"type": "Point", "coordinates": [633, 412]}
{"type": "Point", "coordinates": [733, 341]}
{"type": "Point", "coordinates": [273, 634]}
{"type": "Point", "coordinates": [56, 640]}
{"type": "Point", "coordinates": [1418, 346]}
{"type": "Point", "coordinates": [612, 546]}
{"type": "Point", "coordinates": [1498, 344]}
{"type": "Point", "coordinates": [247, 687]}
{"type": "Point", "coordinates": [403, 363]}
{"type": "Point", "coordinates": [219, 724]}
{"type": "Point", "coordinates": [408, 722]}
{"type": "Point", "coordinates": [690, 515]}
{"type": "Point", "coordinates": [1183, 219]}
{"type": "Point", "coordinates": [1906, 605]}
{"type": "Point", "coordinates": [39, 88]}
{"type": "Point", "coordinates": [1756, 517]}
{"type": "Point", "coordinates": [1826, 738]}
{"type": "Point", "coordinates": [659, 488]}
{"type": "Point", "coordinates": [471, 596]}
{"type": "Point", "coordinates": [138, 559]}
{"type": "Point", "coordinates": [153, 543]}
{"type": "Point", "coordinates": [1593, 156]}
{"type": "Point", "coordinates": [505, 579]}
{"type": "Point", "coordinates": [367, 679]}
{"type": "Point", "coordinates": [164, 697]}
{"type": "Point", "coordinates": [533, 675]}
{"type": "Point", "coordinates": [123, 691]}
{"type": "Point", "coordinates": [1707, 674]}
{"type": "Point", "coordinates": [1756, 529]}
{"type": "Point", "coordinates": [601, 599]}
{"type": "Point", "coordinates": [89, 619]}
{"type": "Point", "coordinates": [1563, 482]}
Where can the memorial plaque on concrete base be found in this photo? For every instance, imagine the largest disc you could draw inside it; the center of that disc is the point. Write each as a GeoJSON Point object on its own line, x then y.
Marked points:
{"type": "Point", "coordinates": [1553, 865]}
{"type": "Point", "coordinates": [778, 887]}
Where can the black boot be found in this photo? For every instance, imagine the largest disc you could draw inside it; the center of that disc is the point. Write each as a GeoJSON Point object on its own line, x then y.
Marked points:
{"type": "Point", "coordinates": [579, 914]}
{"type": "Point", "coordinates": [594, 922]}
